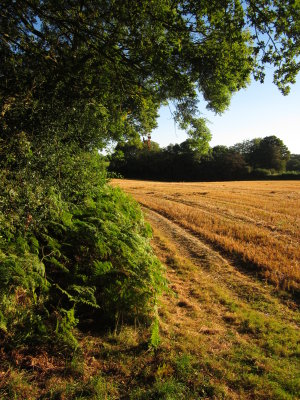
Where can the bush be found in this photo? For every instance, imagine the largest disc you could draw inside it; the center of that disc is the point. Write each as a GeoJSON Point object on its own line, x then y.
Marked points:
{"type": "Point", "coordinates": [260, 173]}
{"type": "Point", "coordinates": [71, 253]}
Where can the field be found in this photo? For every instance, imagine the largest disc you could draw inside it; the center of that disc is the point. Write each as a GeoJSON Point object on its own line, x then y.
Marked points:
{"type": "Point", "coordinates": [254, 223]}
{"type": "Point", "coordinates": [227, 329]}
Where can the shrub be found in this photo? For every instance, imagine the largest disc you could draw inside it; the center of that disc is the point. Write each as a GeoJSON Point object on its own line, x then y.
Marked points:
{"type": "Point", "coordinates": [71, 253]}
{"type": "Point", "coordinates": [259, 173]}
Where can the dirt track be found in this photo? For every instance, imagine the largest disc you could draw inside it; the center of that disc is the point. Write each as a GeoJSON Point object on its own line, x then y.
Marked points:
{"type": "Point", "coordinates": [211, 266]}
{"type": "Point", "coordinates": [255, 225]}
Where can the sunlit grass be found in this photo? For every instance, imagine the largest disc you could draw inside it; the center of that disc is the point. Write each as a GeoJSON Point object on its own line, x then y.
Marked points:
{"type": "Point", "coordinates": [217, 341]}
{"type": "Point", "coordinates": [223, 333]}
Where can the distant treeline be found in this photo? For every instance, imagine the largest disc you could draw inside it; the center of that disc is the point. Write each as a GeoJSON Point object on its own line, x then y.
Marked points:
{"type": "Point", "coordinates": [261, 158]}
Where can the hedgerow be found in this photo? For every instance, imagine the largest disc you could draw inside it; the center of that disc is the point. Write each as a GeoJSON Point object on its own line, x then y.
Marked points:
{"type": "Point", "coordinates": [71, 254]}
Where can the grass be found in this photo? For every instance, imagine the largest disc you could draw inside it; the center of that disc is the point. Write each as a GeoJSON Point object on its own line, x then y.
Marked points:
{"type": "Point", "coordinates": [223, 334]}
{"type": "Point", "coordinates": [229, 347]}
{"type": "Point", "coordinates": [213, 345]}
{"type": "Point", "coordinates": [257, 222]}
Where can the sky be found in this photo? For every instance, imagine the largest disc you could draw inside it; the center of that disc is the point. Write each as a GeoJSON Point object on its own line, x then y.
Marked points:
{"type": "Point", "coordinates": [259, 110]}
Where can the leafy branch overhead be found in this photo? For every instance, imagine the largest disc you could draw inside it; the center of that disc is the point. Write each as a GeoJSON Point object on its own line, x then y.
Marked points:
{"type": "Point", "coordinates": [119, 61]}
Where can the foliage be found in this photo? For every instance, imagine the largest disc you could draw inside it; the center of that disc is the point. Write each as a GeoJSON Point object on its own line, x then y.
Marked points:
{"type": "Point", "coordinates": [268, 153]}
{"type": "Point", "coordinates": [70, 246]}
{"type": "Point", "coordinates": [137, 161]}
{"type": "Point", "coordinates": [155, 339]}
{"type": "Point", "coordinates": [82, 260]}
{"type": "Point", "coordinates": [293, 163]}
{"type": "Point", "coordinates": [110, 65]}
{"type": "Point", "coordinates": [74, 77]}
{"type": "Point", "coordinates": [251, 159]}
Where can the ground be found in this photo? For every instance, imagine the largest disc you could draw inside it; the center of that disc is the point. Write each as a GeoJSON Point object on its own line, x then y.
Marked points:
{"type": "Point", "coordinates": [226, 332]}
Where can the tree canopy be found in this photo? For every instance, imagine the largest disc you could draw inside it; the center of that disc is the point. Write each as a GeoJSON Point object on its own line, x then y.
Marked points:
{"type": "Point", "coordinates": [269, 152]}
{"type": "Point", "coordinates": [109, 65]}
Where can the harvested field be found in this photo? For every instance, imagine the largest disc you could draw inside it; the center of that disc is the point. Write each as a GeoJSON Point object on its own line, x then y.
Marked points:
{"type": "Point", "coordinates": [254, 223]}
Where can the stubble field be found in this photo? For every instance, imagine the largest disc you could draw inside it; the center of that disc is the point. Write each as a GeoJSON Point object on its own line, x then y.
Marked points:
{"type": "Point", "coordinates": [228, 330]}
{"type": "Point", "coordinates": [255, 223]}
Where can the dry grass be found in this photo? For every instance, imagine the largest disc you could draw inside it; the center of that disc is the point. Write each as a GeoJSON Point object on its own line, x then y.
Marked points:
{"type": "Point", "coordinates": [224, 335]}
{"type": "Point", "coordinates": [229, 325]}
{"type": "Point", "coordinates": [256, 221]}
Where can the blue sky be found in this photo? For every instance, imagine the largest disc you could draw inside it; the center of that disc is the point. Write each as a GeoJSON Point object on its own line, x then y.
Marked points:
{"type": "Point", "coordinates": [259, 110]}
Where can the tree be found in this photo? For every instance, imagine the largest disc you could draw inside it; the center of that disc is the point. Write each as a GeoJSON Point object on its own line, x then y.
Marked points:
{"type": "Point", "coordinates": [247, 148]}
{"type": "Point", "coordinates": [114, 63]}
{"type": "Point", "coordinates": [269, 153]}
{"type": "Point", "coordinates": [227, 163]}
{"type": "Point", "coordinates": [293, 163]}
{"type": "Point", "coordinates": [136, 160]}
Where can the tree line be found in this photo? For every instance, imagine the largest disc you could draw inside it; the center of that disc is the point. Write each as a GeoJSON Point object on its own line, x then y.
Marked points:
{"type": "Point", "coordinates": [258, 158]}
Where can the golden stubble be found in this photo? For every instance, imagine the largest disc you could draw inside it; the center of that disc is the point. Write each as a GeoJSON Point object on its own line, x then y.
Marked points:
{"type": "Point", "coordinates": [257, 222]}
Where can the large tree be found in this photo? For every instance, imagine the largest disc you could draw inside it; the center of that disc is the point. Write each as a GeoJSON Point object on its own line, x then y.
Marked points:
{"type": "Point", "coordinates": [269, 152]}
{"type": "Point", "coordinates": [105, 67]}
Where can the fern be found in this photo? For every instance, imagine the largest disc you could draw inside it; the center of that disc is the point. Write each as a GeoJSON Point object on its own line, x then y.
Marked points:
{"type": "Point", "coordinates": [85, 295]}
{"type": "Point", "coordinates": [155, 338]}
{"type": "Point", "coordinates": [85, 248]}
{"type": "Point", "coordinates": [65, 323]}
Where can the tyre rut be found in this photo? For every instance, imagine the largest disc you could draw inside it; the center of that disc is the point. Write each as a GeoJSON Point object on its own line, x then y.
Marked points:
{"type": "Point", "coordinates": [219, 270]}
